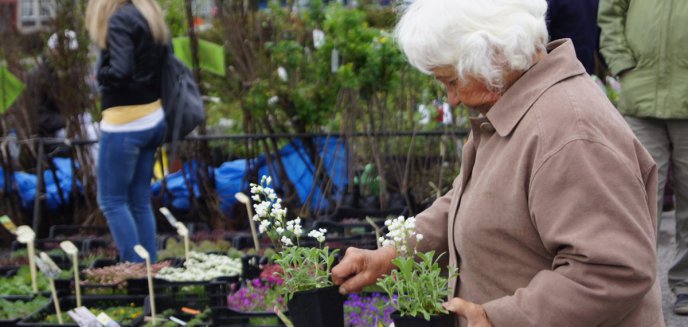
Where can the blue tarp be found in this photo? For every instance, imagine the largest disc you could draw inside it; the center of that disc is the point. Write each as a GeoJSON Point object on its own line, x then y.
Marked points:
{"type": "Point", "coordinates": [228, 178]}
{"type": "Point", "coordinates": [300, 171]}
{"type": "Point", "coordinates": [26, 185]}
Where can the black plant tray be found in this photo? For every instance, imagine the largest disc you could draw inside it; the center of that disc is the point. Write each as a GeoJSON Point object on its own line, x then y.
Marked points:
{"type": "Point", "coordinates": [77, 231]}
{"type": "Point", "coordinates": [9, 323]}
{"type": "Point", "coordinates": [165, 303]}
{"type": "Point", "coordinates": [223, 316]}
{"type": "Point", "coordinates": [91, 302]}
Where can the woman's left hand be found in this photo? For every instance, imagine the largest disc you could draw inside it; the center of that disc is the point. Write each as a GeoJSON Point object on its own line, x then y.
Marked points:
{"type": "Point", "coordinates": [473, 313]}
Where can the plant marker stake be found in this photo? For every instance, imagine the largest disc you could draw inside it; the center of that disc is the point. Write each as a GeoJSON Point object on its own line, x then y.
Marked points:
{"type": "Point", "coordinates": [377, 231]}
{"type": "Point", "coordinates": [50, 269]}
{"type": "Point", "coordinates": [72, 251]}
{"type": "Point", "coordinates": [241, 197]}
{"type": "Point", "coordinates": [144, 254]}
{"type": "Point", "coordinates": [26, 235]}
{"type": "Point", "coordinates": [181, 229]}
{"type": "Point", "coordinates": [282, 317]}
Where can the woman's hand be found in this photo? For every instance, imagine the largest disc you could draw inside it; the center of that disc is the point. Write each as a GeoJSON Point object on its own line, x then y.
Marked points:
{"type": "Point", "coordinates": [473, 313]}
{"type": "Point", "coordinates": [361, 268]}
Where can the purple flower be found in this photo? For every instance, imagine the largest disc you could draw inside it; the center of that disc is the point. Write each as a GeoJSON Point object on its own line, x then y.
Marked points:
{"type": "Point", "coordinates": [367, 310]}
{"type": "Point", "coordinates": [255, 296]}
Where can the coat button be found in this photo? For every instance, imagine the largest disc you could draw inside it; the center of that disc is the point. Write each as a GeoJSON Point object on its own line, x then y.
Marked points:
{"type": "Point", "coordinates": [486, 127]}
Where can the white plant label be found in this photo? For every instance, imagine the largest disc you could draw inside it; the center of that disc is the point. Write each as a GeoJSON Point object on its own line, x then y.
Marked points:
{"type": "Point", "coordinates": [141, 251]}
{"type": "Point", "coordinates": [69, 247]}
{"type": "Point", "coordinates": [168, 215]}
{"type": "Point", "coordinates": [318, 38]}
{"type": "Point", "coordinates": [25, 234]}
{"type": "Point", "coordinates": [8, 224]}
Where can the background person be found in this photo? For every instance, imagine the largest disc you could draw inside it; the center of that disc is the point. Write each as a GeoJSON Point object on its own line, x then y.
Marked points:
{"type": "Point", "coordinates": [552, 221]}
{"type": "Point", "coordinates": [133, 39]}
{"type": "Point", "coordinates": [644, 43]}
{"type": "Point", "coordinates": [576, 20]}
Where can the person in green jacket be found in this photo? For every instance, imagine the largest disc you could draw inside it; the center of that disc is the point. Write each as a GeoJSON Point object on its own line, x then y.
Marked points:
{"type": "Point", "coordinates": [645, 44]}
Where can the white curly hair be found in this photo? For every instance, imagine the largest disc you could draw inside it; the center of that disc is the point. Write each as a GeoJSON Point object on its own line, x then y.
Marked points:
{"type": "Point", "coordinates": [480, 39]}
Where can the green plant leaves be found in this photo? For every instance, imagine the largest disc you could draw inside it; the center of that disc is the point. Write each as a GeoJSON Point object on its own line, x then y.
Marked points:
{"type": "Point", "coordinates": [304, 268]}
{"type": "Point", "coordinates": [419, 285]}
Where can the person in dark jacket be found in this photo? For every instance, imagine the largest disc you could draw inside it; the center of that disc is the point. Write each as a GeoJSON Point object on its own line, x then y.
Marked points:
{"type": "Point", "coordinates": [133, 39]}
{"type": "Point", "coordinates": [576, 20]}
{"type": "Point", "coordinates": [41, 95]}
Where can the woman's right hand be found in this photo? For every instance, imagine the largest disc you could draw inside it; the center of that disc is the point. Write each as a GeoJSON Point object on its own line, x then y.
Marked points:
{"type": "Point", "coordinates": [360, 268]}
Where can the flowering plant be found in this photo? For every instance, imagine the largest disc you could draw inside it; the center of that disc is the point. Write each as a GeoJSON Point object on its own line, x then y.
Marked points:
{"type": "Point", "coordinates": [256, 296]}
{"type": "Point", "coordinates": [202, 267]}
{"type": "Point", "coordinates": [417, 281]}
{"type": "Point", "coordinates": [304, 268]}
{"type": "Point", "coordinates": [367, 310]}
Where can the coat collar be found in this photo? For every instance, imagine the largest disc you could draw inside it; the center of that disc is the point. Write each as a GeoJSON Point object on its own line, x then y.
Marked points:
{"type": "Point", "coordinates": [559, 64]}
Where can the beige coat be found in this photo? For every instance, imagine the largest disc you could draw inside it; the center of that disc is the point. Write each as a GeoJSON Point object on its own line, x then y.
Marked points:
{"type": "Point", "coordinates": [552, 219]}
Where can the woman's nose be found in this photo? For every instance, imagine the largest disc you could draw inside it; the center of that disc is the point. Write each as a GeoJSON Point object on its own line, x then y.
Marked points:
{"type": "Point", "coordinates": [453, 98]}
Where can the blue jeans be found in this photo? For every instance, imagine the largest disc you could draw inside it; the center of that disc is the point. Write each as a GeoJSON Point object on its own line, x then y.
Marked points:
{"type": "Point", "coordinates": [125, 169]}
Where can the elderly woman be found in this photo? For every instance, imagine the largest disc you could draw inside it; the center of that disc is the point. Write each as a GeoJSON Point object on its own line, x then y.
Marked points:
{"type": "Point", "coordinates": [552, 219]}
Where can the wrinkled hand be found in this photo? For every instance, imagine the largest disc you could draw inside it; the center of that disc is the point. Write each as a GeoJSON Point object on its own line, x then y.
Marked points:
{"type": "Point", "coordinates": [473, 313]}
{"type": "Point", "coordinates": [361, 268]}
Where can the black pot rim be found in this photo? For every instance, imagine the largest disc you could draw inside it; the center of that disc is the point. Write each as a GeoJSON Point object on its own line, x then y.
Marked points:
{"type": "Point", "coordinates": [316, 290]}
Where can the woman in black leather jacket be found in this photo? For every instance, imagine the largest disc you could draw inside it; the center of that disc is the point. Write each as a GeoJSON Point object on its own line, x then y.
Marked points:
{"type": "Point", "coordinates": [133, 37]}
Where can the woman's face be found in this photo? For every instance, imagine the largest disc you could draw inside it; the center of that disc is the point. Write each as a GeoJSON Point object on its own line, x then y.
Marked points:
{"type": "Point", "coordinates": [470, 92]}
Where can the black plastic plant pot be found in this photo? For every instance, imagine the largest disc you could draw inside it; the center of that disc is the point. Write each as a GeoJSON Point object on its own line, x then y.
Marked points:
{"type": "Point", "coordinates": [441, 320]}
{"type": "Point", "coordinates": [321, 307]}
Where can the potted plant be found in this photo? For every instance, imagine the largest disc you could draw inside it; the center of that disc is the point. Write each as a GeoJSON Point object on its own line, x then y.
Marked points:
{"type": "Point", "coordinates": [417, 281]}
{"type": "Point", "coordinates": [255, 301]}
{"type": "Point", "coordinates": [312, 299]}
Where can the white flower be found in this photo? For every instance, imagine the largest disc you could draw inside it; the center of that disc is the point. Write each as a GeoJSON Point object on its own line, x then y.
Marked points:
{"type": "Point", "coordinates": [264, 225]}
{"type": "Point", "coordinates": [319, 235]}
{"type": "Point", "coordinates": [268, 180]}
{"type": "Point", "coordinates": [286, 241]}
{"type": "Point", "coordinates": [261, 208]}
{"type": "Point", "coordinates": [282, 73]}
{"type": "Point", "coordinates": [400, 231]}
{"type": "Point", "coordinates": [255, 198]}
{"type": "Point", "coordinates": [279, 230]}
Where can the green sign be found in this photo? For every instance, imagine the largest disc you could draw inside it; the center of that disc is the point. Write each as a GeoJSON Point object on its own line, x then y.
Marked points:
{"type": "Point", "coordinates": [211, 56]}
{"type": "Point", "coordinates": [10, 89]}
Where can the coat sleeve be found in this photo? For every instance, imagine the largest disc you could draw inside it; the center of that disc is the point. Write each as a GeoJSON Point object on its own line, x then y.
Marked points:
{"type": "Point", "coordinates": [117, 65]}
{"type": "Point", "coordinates": [433, 223]}
{"type": "Point", "coordinates": [611, 19]}
{"type": "Point", "coordinates": [595, 218]}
